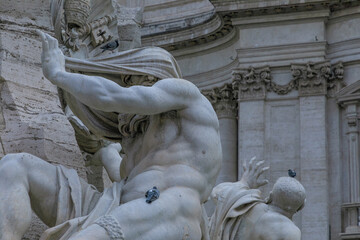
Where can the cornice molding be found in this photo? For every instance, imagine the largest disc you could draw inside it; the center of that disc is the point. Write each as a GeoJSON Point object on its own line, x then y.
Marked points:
{"type": "Point", "coordinates": [349, 94]}
{"type": "Point", "coordinates": [220, 26]}
{"type": "Point", "coordinates": [213, 78]}
{"type": "Point", "coordinates": [201, 48]}
{"type": "Point", "coordinates": [345, 51]}
{"type": "Point", "coordinates": [246, 8]}
{"type": "Point", "coordinates": [205, 20]}
{"type": "Point", "coordinates": [284, 54]}
{"type": "Point", "coordinates": [266, 19]}
{"type": "Point", "coordinates": [243, 13]}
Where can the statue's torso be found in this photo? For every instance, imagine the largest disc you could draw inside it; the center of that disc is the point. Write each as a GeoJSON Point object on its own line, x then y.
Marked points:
{"type": "Point", "coordinates": [179, 149]}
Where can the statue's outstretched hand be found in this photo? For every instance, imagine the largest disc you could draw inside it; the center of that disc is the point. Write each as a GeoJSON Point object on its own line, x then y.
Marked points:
{"type": "Point", "coordinates": [252, 173]}
{"type": "Point", "coordinates": [53, 60]}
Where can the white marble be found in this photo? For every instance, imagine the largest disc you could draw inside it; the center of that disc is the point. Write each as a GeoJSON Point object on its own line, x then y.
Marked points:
{"type": "Point", "coordinates": [240, 212]}
{"type": "Point", "coordinates": [178, 142]}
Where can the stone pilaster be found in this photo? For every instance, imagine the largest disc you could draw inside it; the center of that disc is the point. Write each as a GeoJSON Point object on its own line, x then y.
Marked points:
{"type": "Point", "coordinates": [352, 120]}
{"type": "Point", "coordinates": [349, 99]}
{"type": "Point", "coordinates": [251, 87]}
{"type": "Point", "coordinates": [312, 86]}
{"type": "Point", "coordinates": [223, 101]}
{"type": "Point", "coordinates": [313, 166]}
{"type": "Point", "coordinates": [354, 157]}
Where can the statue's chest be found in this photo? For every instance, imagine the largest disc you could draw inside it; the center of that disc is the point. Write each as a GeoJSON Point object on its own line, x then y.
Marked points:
{"type": "Point", "coordinates": [164, 128]}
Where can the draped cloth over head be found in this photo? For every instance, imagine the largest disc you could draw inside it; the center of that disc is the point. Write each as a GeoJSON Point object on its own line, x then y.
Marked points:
{"type": "Point", "coordinates": [233, 201]}
{"type": "Point", "coordinates": [152, 61]}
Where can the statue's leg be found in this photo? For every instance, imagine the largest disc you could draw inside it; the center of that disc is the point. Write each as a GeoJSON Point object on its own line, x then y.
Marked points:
{"type": "Point", "coordinates": [26, 182]}
{"type": "Point", "coordinates": [175, 215]}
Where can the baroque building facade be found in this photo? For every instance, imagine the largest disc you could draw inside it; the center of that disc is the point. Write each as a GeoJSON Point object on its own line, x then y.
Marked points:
{"type": "Point", "coordinates": [283, 77]}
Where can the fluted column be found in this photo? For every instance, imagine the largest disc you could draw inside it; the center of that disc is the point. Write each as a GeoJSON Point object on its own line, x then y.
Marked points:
{"type": "Point", "coordinates": [223, 101]}
{"type": "Point", "coordinates": [354, 163]}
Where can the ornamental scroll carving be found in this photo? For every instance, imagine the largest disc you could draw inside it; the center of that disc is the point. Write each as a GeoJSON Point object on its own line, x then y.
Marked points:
{"type": "Point", "coordinates": [223, 100]}
{"type": "Point", "coordinates": [336, 80]}
{"type": "Point", "coordinates": [251, 83]}
{"type": "Point", "coordinates": [318, 78]}
{"type": "Point", "coordinates": [309, 79]}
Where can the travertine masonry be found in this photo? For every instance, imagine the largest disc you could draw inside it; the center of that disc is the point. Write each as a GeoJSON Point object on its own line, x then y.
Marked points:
{"type": "Point", "coordinates": [31, 119]}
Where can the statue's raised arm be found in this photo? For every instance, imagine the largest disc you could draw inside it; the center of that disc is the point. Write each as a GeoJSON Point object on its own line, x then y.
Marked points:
{"type": "Point", "coordinates": [171, 153]}
{"type": "Point", "coordinates": [105, 95]}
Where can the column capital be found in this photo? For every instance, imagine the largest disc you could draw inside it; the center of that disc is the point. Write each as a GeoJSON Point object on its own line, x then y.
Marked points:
{"type": "Point", "coordinates": [352, 116]}
{"type": "Point", "coordinates": [250, 84]}
{"type": "Point", "coordinates": [223, 100]}
{"type": "Point", "coordinates": [311, 78]}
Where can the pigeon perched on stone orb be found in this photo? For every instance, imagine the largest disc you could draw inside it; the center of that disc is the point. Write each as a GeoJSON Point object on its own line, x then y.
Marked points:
{"type": "Point", "coordinates": [292, 173]}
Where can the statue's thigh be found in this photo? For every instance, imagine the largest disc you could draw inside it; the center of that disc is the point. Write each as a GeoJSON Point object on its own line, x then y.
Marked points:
{"type": "Point", "coordinates": [37, 178]}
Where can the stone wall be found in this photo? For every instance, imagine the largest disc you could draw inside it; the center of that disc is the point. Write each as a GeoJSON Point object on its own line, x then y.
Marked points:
{"type": "Point", "coordinates": [31, 119]}
{"type": "Point", "coordinates": [290, 120]}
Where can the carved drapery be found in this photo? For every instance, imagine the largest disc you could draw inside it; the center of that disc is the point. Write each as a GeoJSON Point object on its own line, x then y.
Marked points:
{"type": "Point", "coordinates": [309, 79]}
{"type": "Point", "coordinates": [223, 100]}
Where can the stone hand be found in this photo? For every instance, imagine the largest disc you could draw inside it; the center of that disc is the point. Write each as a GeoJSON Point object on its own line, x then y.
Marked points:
{"type": "Point", "coordinates": [100, 156]}
{"type": "Point", "coordinates": [53, 60]}
{"type": "Point", "coordinates": [252, 173]}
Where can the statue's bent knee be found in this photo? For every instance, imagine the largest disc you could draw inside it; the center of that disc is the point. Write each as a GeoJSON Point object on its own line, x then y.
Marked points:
{"type": "Point", "coordinates": [112, 227]}
{"type": "Point", "coordinates": [17, 160]}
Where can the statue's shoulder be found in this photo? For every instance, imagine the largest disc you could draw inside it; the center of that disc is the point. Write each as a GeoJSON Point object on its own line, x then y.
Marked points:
{"type": "Point", "coordinates": [277, 226]}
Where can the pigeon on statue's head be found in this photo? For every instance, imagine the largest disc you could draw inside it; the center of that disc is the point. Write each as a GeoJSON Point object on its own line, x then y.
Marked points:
{"type": "Point", "coordinates": [292, 173]}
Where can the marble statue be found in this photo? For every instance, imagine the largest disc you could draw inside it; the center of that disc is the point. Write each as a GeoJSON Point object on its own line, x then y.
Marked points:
{"type": "Point", "coordinates": [169, 135]}
{"type": "Point", "coordinates": [241, 214]}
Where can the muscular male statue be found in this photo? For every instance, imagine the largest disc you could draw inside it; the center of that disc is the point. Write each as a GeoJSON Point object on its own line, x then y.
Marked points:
{"type": "Point", "coordinates": [241, 214]}
{"type": "Point", "coordinates": [178, 152]}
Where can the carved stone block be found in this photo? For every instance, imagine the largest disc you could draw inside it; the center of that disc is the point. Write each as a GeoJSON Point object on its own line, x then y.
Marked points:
{"type": "Point", "coordinates": [250, 84]}
{"type": "Point", "coordinates": [223, 100]}
{"type": "Point", "coordinates": [312, 78]}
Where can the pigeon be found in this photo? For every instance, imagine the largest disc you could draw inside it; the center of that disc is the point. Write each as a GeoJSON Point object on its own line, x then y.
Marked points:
{"type": "Point", "coordinates": [292, 173]}
{"type": "Point", "coordinates": [152, 195]}
{"type": "Point", "coordinates": [110, 46]}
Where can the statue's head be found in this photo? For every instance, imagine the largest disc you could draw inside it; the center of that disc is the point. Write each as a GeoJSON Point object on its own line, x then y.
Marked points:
{"type": "Point", "coordinates": [288, 194]}
{"type": "Point", "coordinates": [130, 125]}
{"type": "Point", "coordinates": [143, 80]}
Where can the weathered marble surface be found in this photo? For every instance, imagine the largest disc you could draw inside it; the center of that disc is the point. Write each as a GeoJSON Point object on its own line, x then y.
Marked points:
{"type": "Point", "coordinates": [241, 213]}
{"type": "Point", "coordinates": [31, 117]}
{"type": "Point", "coordinates": [176, 141]}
